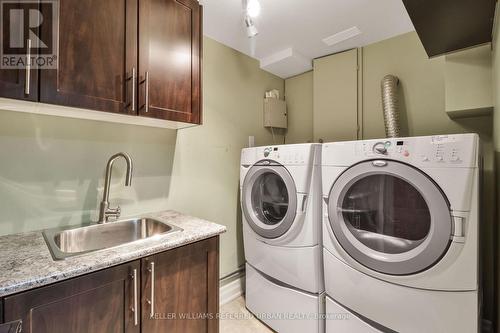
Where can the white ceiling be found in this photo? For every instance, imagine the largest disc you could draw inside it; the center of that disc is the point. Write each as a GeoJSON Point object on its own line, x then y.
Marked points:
{"type": "Point", "coordinates": [301, 25]}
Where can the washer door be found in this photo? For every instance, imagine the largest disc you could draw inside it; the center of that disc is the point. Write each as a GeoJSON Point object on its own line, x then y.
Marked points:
{"type": "Point", "coordinates": [390, 217]}
{"type": "Point", "coordinates": [269, 199]}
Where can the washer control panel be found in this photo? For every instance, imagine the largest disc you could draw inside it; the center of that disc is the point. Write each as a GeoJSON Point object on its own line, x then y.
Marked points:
{"type": "Point", "coordinates": [299, 154]}
{"type": "Point", "coordinates": [283, 155]}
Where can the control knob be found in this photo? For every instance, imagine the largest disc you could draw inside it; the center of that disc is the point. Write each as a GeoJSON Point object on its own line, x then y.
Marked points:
{"type": "Point", "coordinates": [380, 148]}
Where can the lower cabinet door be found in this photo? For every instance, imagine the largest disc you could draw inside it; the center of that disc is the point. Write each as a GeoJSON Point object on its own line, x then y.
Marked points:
{"type": "Point", "coordinates": [97, 302]}
{"type": "Point", "coordinates": [180, 289]}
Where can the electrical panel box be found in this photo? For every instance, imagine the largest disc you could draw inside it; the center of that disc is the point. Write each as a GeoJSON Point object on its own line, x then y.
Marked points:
{"type": "Point", "coordinates": [275, 113]}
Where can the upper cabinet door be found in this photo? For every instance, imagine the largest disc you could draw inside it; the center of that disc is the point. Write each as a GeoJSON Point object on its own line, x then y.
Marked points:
{"type": "Point", "coordinates": [97, 56]}
{"type": "Point", "coordinates": [22, 82]}
{"type": "Point", "coordinates": [170, 59]}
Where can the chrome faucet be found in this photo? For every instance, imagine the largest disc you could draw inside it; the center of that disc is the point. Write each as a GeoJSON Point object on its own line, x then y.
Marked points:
{"type": "Point", "coordinates": [104, 211]}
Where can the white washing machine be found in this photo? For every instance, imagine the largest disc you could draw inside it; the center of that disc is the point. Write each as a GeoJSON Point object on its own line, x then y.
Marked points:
{"type": "Point", "coordinates": [281, 205]}
{"type": "Point", "coordinates": [400, 234]}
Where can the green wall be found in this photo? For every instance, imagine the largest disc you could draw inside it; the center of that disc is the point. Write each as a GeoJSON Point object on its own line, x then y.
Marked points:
{"type": "Point", "coordinates": [205, 177]}
{"type": "Point", "coordinates": [51, 168]}
{"type": "Point", "coordinates": [422, 111]}
{"type": "Point", "coordinates": [421, 90]}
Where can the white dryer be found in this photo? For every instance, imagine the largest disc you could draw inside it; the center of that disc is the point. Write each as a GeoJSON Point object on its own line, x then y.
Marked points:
{"type": "Point", "coordinates": [400, 234]}
{"type": "Point", "coordinates": [281, 205]}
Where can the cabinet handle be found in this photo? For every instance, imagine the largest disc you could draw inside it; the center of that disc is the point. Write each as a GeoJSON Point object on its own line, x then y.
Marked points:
{"type": "Point", "coordinates": [133, 88]}
{"type": "Point", "coordinates": [134, 309]}
{"type": "Point", "coordinates": [146, 109]}
{"type": "Point", "coordinates": [152, 301]}
{"type": "Point", "coordinates": [28, 67]}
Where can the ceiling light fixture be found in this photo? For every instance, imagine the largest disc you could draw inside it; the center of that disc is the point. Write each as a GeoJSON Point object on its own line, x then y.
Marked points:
{"type": "Point", "coordinates": [253, 8]}
{"type": "Point", "coordinates": [251, 28]}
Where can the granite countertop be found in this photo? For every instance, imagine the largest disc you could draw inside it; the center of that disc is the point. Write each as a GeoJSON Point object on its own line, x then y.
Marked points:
{"type": "Point", "coordinates": [26, 262]}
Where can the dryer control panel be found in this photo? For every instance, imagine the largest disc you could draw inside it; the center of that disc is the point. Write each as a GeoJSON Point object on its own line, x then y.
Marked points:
{"type": "Point", "coordinates": [456, 150]}
{"type": "Point", "coordinates": [432, 151]}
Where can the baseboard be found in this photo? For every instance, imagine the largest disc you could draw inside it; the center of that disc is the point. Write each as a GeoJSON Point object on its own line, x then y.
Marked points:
{"type": "Point", "coordinates": [232, 290]}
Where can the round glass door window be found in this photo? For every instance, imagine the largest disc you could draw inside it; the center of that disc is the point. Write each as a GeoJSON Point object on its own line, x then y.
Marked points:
{"type": "Point", "coordinates": [270, 198]}
{"type": "Point", "coordinates": [390, 217]}
{"type": "Point", "coordinates": [386, 213]}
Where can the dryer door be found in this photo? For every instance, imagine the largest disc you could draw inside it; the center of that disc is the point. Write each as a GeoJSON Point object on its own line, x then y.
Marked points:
{"type": "Point", "coordinates": [269, 199]}
{"type": "Point", "coordinates": [390, 217]}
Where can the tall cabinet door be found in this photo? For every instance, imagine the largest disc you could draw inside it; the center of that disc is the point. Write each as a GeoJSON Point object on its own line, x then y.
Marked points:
{"type": "Point", "coordinates": [102, 302]}
{"type": "Point", "coordinates": [335, 111]}
{"type": "Point", "coordinates": [180, 289]}
{"type": "Point", "coordinates": [19, 83]}
{"type": "Point", "coordinates": [97, 55]}
{"type": "Point", "coordinates": [170, 59]}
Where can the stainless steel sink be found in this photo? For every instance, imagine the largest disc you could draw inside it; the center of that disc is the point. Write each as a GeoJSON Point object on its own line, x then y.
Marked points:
{"type": "Point", "coordinates": [71, 241]}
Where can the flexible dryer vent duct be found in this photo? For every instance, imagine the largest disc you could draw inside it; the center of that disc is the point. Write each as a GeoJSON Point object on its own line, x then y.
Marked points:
{"type": "Point", "coordinates": [390, 103]}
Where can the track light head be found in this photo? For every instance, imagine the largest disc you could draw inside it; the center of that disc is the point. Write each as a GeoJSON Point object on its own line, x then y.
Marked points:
{"type": "Point", "coordinates": [251, 28]}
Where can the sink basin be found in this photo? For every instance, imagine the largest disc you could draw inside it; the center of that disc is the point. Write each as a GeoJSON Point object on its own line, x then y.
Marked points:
{"type": "Point", "coordinates": [67, 242]}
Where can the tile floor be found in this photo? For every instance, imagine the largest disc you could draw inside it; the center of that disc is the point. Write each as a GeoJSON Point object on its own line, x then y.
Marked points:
{"type": "Point", "coordinates": [236, 318]}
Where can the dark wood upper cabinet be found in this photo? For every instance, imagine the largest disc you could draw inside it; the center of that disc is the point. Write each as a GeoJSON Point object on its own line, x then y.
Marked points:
{"type": "Point", "coordinates": [450, 25]}
{"type": "Point", "coordinates": [184, 296]}
{"type": "Point", "coordinates": [136, 57]}
{"type": "Point", "coordinates": [97, 302]}
{"type": "Point", "coordinates": [170, 59]}
{"type": "Point", "coordinates": [97, 53]}
{"type": "Point", "coordinates": [19, 83]}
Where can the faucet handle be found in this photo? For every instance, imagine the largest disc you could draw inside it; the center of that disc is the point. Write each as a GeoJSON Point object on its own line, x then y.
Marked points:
{"type": "Point", "coordinates": [113, 213]}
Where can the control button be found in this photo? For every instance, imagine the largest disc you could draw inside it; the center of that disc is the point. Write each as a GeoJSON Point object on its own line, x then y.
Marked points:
{"type": "Point", "coordinates": [267, 151]}
{"type": "Point", "coordinates": [425, 159]}
{"type": "Point", "coordinates": [406, 153]}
